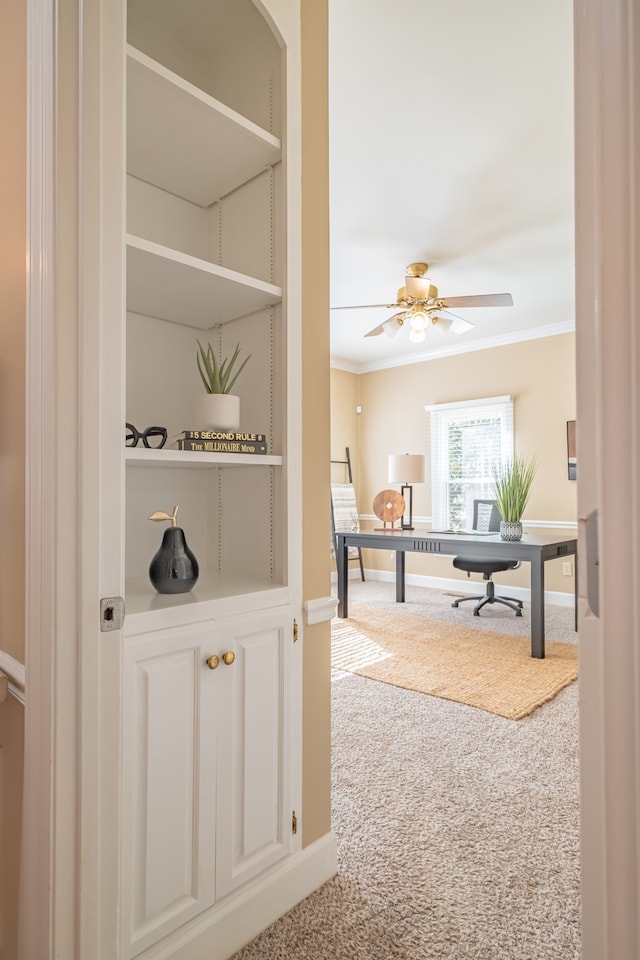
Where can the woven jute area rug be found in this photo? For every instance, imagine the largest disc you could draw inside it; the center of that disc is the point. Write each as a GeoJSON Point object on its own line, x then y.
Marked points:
{"type": "Point", "coordinates": [492, 671]}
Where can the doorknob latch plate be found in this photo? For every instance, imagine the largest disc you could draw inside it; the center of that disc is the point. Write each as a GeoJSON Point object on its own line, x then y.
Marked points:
{"type": "Point", "coordinates": [111, 614]}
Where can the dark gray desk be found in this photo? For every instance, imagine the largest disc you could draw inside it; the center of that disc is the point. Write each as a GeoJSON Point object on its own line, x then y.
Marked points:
{"type": "Point", "coordinates": [534, 549]}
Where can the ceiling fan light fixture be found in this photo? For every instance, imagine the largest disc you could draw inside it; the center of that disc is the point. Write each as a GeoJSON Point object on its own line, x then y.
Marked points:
{"type": "Point", "coordinates": [442, 324]}
{"type": "Point", "coordinates": [421, 307]}
{"type": "Point", "coordinates": [418, 319]}
{"type": "Point", "coordinates": [391, 326]}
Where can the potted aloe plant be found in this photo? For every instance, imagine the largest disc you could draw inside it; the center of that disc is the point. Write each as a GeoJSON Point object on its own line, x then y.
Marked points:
{"type": "Point", "coordinates": [219, 407]}
{"type": "Point", "coordinates": [512, 482]}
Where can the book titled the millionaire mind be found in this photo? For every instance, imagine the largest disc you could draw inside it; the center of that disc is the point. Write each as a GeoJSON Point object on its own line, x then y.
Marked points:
{"type": "Point", "coordinates": [221, 441]}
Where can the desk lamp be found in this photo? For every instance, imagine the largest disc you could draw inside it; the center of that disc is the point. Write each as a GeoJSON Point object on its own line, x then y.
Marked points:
{"type": "Point", "coordinates": [406, 469]}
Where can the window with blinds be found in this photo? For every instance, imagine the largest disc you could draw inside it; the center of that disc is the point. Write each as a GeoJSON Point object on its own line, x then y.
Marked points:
{"type": "Point", "coordinates": [468, 441]}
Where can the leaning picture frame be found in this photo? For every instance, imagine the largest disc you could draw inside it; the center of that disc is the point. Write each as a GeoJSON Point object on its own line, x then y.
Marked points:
{"type": "Point", "coordinates": [571, 449]}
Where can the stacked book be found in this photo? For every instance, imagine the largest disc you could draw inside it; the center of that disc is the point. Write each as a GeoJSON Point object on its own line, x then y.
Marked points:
{"type": "Point", "coordinates": [221, 441]}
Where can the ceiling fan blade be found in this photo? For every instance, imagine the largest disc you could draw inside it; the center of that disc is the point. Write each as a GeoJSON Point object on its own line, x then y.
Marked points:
{"type": "Point", "coordinates": [481, 300]}
{"type": "Point", "coordinates": [459, 324]}
{"type": "Point", "coordinates": [390, 326]}
{"type": "Point", "coordinates": [376, 331]}
{"type": "Point", "coordinates": [368, 306]}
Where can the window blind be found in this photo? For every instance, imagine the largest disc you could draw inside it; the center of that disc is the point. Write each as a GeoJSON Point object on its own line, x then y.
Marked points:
{"type": "Point", "coordinates": [469, 439]}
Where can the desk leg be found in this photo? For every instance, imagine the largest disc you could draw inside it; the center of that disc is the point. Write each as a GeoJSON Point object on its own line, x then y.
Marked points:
{"type": "Point", "coordinates": [400, 555]}
{"type": "Point", "coordinates": [575, 591]}
{"type": "Point", "coordinates": [342, 564]}
{"type": "Point", "coordinates": [537, 608]}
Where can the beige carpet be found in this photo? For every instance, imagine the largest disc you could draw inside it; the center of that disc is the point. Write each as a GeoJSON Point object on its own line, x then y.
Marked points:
{"type": "Point", "coordinates": [458, 831]}
{"type": "Point", "coordinates": [492, 671]}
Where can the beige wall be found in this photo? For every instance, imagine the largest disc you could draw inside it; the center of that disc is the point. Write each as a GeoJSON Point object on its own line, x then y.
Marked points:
{"type": "Point", "coordinates": [13, 113]}
{"type": "Point", "coordinates": [316, 785]}
{"type": "Point", "coordinates": [345, 423]}
{"type": "Point", "coordinates": [538, 374]}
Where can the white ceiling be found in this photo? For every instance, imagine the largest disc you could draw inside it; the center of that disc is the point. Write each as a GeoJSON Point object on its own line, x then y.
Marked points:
{"type": "Point", "coordinates": [451, 142]}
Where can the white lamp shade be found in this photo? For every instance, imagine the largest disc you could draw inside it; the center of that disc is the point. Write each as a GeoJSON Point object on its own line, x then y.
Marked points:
{"type": "Point", "coordinates": [406, 468]}
{"type": "Point", "coordinates": [443, 324]}
{"type": "Point", "coordinates": [392, 325]}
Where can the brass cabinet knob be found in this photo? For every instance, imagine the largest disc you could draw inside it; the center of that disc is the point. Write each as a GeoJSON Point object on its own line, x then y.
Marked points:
{"type": "Point", "coordinates": [213, 662]}
{"type": "Point", "coordinates": [228, 657]}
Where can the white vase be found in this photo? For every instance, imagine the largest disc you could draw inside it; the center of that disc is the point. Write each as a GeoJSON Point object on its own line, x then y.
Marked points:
{"type": "Point", "coordinates": [218, 411]}
{"type": "Point", "coordinates": [511, 530]}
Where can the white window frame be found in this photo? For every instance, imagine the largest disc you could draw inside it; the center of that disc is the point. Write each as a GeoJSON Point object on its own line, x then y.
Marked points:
{"type": "Point", "coordinates": [441, 416]}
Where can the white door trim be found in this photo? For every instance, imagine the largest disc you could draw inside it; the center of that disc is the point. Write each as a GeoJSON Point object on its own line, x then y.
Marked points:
{"type": "Point", "coordinates": [41, 447]}
{"type": "Point", "coordinates": [607, 260]}
{"type": "Point", "coordinates": [51, 864]}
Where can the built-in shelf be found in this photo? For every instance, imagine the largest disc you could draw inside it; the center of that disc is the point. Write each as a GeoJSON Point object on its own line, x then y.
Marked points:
{"type": "Point", "coordinates": [214, 595]}
{"type": "Point", "coordinates": [186, 142]}
{"type": "Point", "coordinates": [175, 286]}
{"type": "Point", "coordinates": [194, 149]}
{"type": "Point", "coordinates": [140, 456]}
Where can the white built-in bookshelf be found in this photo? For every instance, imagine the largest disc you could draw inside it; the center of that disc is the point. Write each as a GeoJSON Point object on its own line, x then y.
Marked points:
{"type": "Point", "coordinates": [203, 257]}
{"type": "Point", "coordinates": [209, 789]}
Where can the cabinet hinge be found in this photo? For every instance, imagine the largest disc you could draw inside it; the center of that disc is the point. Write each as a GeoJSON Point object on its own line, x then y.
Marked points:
{"type": "Point", "coordinates": [294, 823]}
{"type": "Point", "coordinates": [295, 631]}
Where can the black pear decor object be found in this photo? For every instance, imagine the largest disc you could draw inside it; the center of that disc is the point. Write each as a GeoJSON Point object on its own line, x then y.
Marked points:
{"type": "Point", "coordinates": [174, 568]}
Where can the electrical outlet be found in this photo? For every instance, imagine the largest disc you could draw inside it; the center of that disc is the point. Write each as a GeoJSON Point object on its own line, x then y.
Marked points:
{"type": "Point", "coordinates": [567, 568]}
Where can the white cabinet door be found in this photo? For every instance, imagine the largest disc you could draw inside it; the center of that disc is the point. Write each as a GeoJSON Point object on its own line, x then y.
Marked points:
{"type": "Point", "coordinates": [254, 805]}
{"type": "Point", "coordinates": [169, 737]}
{"type": "Point", "coordinates": [207, 786]}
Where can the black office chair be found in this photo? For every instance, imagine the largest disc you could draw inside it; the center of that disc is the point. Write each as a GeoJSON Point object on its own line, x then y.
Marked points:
{"type": "Point", "coordinates": [486, 517]}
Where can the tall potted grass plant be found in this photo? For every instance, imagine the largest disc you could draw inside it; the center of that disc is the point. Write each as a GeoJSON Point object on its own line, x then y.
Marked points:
{"type": "Point", "coordinates": [512, 482]}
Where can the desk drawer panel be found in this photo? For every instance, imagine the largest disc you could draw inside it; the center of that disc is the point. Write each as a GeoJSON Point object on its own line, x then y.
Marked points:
{"type": "Point", "coordinates": [426, 546]}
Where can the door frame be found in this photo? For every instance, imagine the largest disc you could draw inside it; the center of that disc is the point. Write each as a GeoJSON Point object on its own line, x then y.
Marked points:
{"type": "Point", "coordinates": [38, 859]}
{"type": "Point", "coordinates": [607, 72]}
{"type": "Point", "coordinates": [70, 863]}
{"type": "Point", "coordinates": [61, 869]}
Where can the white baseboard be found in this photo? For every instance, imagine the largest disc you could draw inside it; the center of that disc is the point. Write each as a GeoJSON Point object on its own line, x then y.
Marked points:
{"type": "Point", "coordinates": [320, 609]}
{"type": "Point", "coordinates": [462, 587]}
{"type": "Point", "coordinates": [222, 931]}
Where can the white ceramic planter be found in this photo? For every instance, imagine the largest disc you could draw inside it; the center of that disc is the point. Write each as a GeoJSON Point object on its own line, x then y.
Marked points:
{"type": "Point", "coordinates": [511, 530]}
{"type": "Point", "coordinates": [218, 411]}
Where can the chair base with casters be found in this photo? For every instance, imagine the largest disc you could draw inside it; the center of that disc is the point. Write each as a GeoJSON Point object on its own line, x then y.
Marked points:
{"type": "Point", "coordinates": [487, 568]}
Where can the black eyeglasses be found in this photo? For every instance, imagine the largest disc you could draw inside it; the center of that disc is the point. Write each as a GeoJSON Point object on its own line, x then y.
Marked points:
{"type": "Point", "coordinates": [152, 437]}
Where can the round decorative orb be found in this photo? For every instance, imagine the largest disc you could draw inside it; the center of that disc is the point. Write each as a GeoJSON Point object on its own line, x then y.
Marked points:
{"type": "Point", "coordinates": [388, 505]}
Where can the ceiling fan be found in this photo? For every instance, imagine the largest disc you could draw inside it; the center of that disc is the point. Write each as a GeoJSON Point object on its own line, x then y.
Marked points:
{"type": "Point", "coordinates": [422, 307]}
